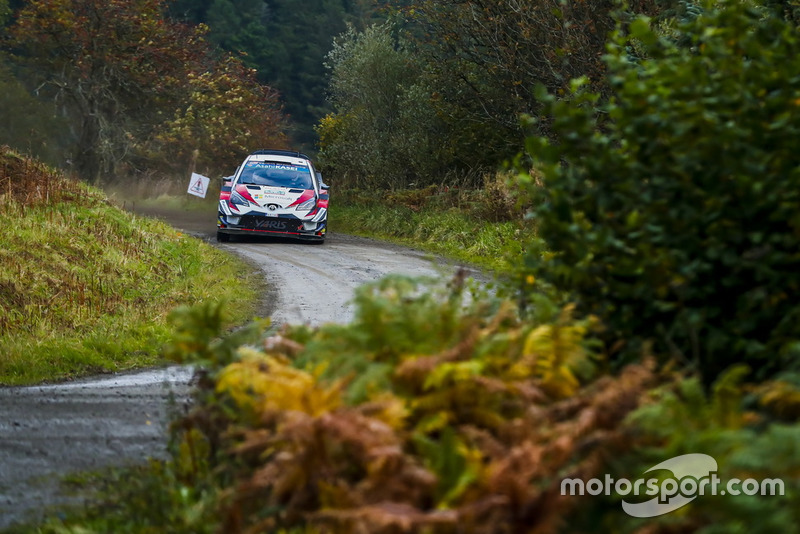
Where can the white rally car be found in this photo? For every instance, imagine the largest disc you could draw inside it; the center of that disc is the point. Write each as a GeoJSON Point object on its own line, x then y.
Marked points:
{"type": "Point", "coordinates": [274, 192]}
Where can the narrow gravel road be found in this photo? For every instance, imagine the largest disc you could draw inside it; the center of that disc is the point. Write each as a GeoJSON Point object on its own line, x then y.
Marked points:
{"type": "Point", "coordinates": [48, 431]}
{"type": "Point", "coordinates": [313, 284]}
{"type": "Point", "coordinates": [51, 430]}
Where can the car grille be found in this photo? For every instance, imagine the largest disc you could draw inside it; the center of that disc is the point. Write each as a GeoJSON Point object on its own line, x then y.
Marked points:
{"type": "Point", "coordinates": [271, 224]}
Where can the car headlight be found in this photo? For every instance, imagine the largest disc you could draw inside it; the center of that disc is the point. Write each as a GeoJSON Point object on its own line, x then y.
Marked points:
{"type": "Point", "coordinates": [236, 198]}
{"type": "Point", "coordinates": [307, 205]}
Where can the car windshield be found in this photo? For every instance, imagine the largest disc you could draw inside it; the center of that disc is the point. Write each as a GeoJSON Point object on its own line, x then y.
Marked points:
{"type": "Point", "coordinates": [276, 175]}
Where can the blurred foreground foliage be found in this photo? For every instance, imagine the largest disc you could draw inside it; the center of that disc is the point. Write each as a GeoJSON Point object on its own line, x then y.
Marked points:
{"type": "Point", "coordinates": [439, 409]}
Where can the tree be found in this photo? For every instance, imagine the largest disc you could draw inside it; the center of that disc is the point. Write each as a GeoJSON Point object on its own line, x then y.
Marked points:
{"type": "Point", "coordinates": [227, 114]}
{"type": "Point", "coordinates": [28, 124]}
{"type": "Point", "coordinates": [485, 57]}
{"type": "Point", "coordinates": [299, 35]}
{"type": "Point", "coordinates": [5, 12]}
{"type": "Point", "coordinates": [119, 70]}
{"type": "Point", "coordinates": [672, 214]}
{"type": "Point", "coordinates": [25, 123]}
{"type": "Point", "coordinates": [105, 62]}
{"type": "Point", "coordinates": [379, 134]}
{"type": "Point", "coordinates": [286, 42]}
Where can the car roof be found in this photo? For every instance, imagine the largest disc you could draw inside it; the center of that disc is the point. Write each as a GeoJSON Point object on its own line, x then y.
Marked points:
{"type": "Point", "coordinates": [280, 153]}
{"type": "Point", "coordinates": [279, 158]}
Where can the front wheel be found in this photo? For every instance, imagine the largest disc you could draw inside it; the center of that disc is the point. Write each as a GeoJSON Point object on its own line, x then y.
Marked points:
{"type": "Point", "coordinates": [222, 237]}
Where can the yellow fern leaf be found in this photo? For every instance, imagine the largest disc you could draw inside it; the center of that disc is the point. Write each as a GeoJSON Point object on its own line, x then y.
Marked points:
{"type": "Point", "coordinates": [553, 352]}
{"type": "Point", "coordinates": [262, 383]}
{"type": "Point", "coordinates": [387, 408]}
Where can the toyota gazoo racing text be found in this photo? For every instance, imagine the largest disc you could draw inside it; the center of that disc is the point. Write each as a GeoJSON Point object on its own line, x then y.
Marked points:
{"type": "Point", "coordinates": [274, 192]}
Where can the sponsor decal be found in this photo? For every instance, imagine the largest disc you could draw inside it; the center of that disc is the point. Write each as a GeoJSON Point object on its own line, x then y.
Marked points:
{"type": "Point", "coordinates": [274, 192]}
{"type": "Point", "coordinates": [278, 166]}
{"type": "Point", "coordinates": [273, 224]}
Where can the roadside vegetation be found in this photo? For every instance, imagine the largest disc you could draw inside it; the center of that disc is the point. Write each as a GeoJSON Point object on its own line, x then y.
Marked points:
{"type": "Point", "coordinates": [85, 286]}
{"type": "Point", "coordinates": [483, 227]}
{"type": "Point", "coordinates": [658, 316]}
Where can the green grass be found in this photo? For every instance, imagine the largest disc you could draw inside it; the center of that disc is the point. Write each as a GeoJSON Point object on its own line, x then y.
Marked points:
{"type": "Point", "coordinates": [87, 287]}
{"type": "Point", "coordinates": [455, 233]}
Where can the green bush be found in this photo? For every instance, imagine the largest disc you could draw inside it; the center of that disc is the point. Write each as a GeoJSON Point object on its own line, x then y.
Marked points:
{"type": "Point", "coordinates": [380, 132]}
{"type": "Point", "coordinates": [673, 213]}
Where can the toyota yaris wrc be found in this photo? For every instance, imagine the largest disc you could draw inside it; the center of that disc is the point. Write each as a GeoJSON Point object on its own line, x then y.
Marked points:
{"type": "Point", "coordinates": [275, 193]}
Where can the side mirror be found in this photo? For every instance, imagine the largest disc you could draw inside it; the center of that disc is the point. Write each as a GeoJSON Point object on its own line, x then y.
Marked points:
{"type": "Point", "coordinates": [322, 185]}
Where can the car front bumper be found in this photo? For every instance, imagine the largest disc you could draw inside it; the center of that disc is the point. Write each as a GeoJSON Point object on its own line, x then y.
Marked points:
{"type": "Point", "coordinates": [276, 226]}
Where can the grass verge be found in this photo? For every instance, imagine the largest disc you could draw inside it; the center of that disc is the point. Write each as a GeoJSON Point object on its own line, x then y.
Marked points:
{"type": "Point", "coordinates": [461, 231]}
{"type": "Point", "coordinates": [87, 287]}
